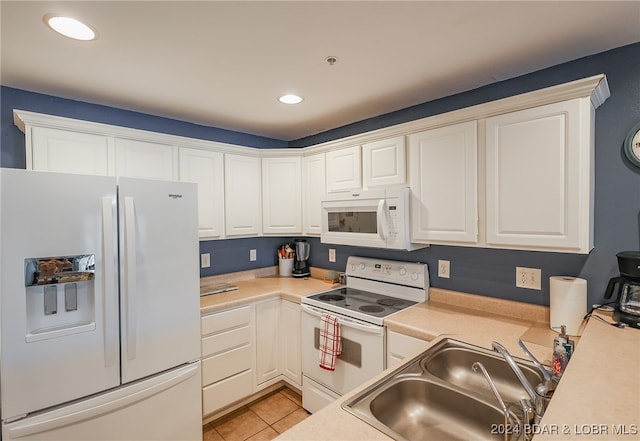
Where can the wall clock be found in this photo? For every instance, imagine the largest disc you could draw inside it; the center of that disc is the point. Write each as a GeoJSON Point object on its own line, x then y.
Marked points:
{"type": "Point", "coordinates": [632, 145]}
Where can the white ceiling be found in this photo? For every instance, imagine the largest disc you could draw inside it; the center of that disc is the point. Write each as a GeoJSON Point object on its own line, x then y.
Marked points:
{"type": "Point", "coordinates": [224, 64]}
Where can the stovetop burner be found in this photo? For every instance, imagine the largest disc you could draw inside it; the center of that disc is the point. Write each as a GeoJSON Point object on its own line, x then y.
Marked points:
{"type": "Point", "coordinates": [331, 297]}
{"type": "Point", "coordinates": [388, 301]}
{"type": "Point", "coordinates": [371, 308]}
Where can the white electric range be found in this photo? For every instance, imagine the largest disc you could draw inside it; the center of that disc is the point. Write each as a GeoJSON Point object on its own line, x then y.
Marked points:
{"type": "Point", "coordinates": [375, 289]}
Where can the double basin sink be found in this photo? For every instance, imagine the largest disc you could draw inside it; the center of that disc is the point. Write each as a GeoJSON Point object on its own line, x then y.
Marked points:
{"type": "Point", "coordinates": [438, 396]}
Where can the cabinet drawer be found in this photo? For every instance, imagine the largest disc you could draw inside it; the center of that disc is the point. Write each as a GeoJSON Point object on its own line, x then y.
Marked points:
{"type": "Point", "coordinates": [224, 365]}
{"type": "Point", "coordinates": [227, 391]}
{"type": "Point", "coordinates": [226, 340]}
{"type": "Point", "coordinates": [220, 321]}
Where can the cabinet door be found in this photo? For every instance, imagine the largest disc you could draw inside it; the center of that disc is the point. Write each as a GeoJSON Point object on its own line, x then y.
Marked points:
{"type": "Point", "coordinates": [290, 350]}
{"type": "Point", "coordinates": [384, 163]}
{"type": "Point", "coordinates": [314, 186]}
{"type": "Point", "coordinates": [343, 169]}
{"type": "Point", "coordinates": [206, 169]}
{"type": "Point", "coordinates": [282, 195]}
{"type": "Point", "coordinates": [401, 346]}
{"type": "Point", "coordinates": [71, 152]}
{"type": "Point", "coordinates": [243, 206]}
{"type": "Point", "coordinates": [142, 159]}
{"type": "Point", "coordinates": [539, 177]}
{"type": "Point", "coordinates": [267, 341]}
{"type": "Point", "coordinates": [444, 182]}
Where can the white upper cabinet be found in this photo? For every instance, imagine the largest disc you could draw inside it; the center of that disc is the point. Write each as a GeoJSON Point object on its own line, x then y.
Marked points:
{"type": "Point", "coordinates": [384, 163]}
{"type": "Point", "coordinates": [344, 169]}
{"type": "Point", "coordinates": [142, 159]}
{"type": "Point", "coordinates": [540, 177]}
{"type": "Point", "coordinates": [282, 195]}
{"type": "Point", "coordinates": [70, 152]}
{"type": "Point", "coordinates": [444, 183]}
{"type": "Point", "coordinates": [206, 169]}
{"type": "Point", "coordinates": [242, 195]}
{"type": "Point", "coordinates": [314, 186]}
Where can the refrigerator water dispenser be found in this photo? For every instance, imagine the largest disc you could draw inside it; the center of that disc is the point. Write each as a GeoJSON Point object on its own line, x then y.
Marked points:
{"type": "Point", "coordinates": [60, 296]}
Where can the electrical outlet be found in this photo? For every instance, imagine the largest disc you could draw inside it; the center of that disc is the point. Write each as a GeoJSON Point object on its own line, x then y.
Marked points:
{"type": "Point", "coordinates": [205, 260]}
{"type": "Point", "coordinates": [252, 255]}
{"type": "Point", "coordinates": [529, 278]}
{"type": "Point", "coordinates": [443, 269]}
{"type": "Point", "coordinates": [332, 254]}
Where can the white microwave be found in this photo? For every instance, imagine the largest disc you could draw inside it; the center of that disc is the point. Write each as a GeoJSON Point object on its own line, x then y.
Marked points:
{"type": "Point", "coordinates": [373, 218]}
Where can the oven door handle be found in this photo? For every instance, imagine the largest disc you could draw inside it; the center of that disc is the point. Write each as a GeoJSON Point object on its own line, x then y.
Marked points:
{"type": "Point", "coordinates": [345, 321]}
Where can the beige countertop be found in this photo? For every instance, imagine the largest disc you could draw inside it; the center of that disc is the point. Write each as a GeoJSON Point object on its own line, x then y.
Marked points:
{"type": "Point", "coordinates": [598, 397]}
{"type": "Point", "coordinates": [261, 288]}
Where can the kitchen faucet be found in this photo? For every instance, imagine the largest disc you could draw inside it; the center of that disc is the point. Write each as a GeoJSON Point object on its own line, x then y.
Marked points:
{"type": "Point", "coordinates": [536, 399]}
{"type": "Point", "coordinates": [507, 415]}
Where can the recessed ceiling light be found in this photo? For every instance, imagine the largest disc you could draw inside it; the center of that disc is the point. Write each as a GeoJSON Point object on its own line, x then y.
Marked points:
{"type": "Point", "coordinates": [290, 99]}
{"type": "Point", "coordinates": [70, 27]}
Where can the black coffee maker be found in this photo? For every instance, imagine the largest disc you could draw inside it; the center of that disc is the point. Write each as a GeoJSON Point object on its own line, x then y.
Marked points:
{"type": "Point", "coordinates": [628, 293]}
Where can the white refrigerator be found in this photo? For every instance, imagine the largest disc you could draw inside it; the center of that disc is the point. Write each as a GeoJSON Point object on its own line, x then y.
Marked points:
{"type": "Point", "coordinates": [99, 308]}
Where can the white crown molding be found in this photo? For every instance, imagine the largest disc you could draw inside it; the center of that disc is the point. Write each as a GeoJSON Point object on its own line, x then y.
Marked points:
{"type": "Point", "coordinates": [595, 88]}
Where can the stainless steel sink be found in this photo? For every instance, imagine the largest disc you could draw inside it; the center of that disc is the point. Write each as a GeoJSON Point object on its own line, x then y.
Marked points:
{"type": "Point", "coordinates": [451, 361]}
{"type": "Point", "coordinates": [437, 395]}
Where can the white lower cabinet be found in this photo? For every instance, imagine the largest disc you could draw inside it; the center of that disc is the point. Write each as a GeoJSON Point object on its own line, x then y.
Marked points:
{"type": "Point", "coordinates": [278, 355]}
{"type": "Point", "coordinates": [247, 349]}
{"type": "Point", "coordinates": [401, 346]}
{"type": "Point", "coordinates": [267, 340]}
{"type": "Point", "coordinates": [290, 344]}
{"type": "Point", "coordinates": [228, 351]}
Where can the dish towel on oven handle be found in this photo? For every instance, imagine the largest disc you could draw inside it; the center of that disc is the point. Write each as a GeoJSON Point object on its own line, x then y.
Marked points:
{"type": "Point", "coordinates": [330, 341]}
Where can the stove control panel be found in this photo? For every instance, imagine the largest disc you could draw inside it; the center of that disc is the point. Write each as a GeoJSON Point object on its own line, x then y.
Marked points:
{"type": "Point", "coordinates": [413, 274]}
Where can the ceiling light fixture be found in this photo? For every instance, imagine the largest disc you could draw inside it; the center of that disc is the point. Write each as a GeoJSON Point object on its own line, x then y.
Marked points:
{"type": "Point", "coordinates": [290, 99]}
{"type": "Point", "coordinates": [70, 27]}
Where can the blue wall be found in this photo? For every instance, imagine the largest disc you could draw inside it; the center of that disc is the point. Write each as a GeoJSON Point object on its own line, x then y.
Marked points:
{"type": "Point", "coordinates": [481, 271]}
{"type": "Point", "coordinates": [12, 140]}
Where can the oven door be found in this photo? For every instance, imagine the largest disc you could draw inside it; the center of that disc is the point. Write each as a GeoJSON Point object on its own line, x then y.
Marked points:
{"type": "Point", "coordinates": [362, 351]}
{"type": "Point", "coordinates": [356, 221]}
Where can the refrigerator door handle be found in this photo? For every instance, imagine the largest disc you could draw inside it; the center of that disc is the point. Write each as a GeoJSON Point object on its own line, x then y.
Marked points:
{"type": "Point", "coordinates": [131, 268]}
{"type": "Point", "coordinates": [110, 295]}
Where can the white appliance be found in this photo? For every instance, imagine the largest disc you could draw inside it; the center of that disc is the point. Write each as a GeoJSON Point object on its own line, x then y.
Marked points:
{"type": "Point", "coordinates": [99, 305]}
{"type": "Point", "coordinates": [373, 218]}
{"type": "Point", "coordinates": [375, 289]}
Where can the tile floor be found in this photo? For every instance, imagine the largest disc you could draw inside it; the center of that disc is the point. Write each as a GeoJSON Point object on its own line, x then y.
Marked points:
{"type": "Point", "coordinates": [263, 419]}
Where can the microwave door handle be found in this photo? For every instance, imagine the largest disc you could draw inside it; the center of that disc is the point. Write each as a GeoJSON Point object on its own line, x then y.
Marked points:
{"type": "Point", "coordinates": [382, 220]}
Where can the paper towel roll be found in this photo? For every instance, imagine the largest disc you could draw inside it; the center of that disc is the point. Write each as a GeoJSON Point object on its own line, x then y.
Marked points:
{"type": "Point", "coordinates": [568, 303]}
